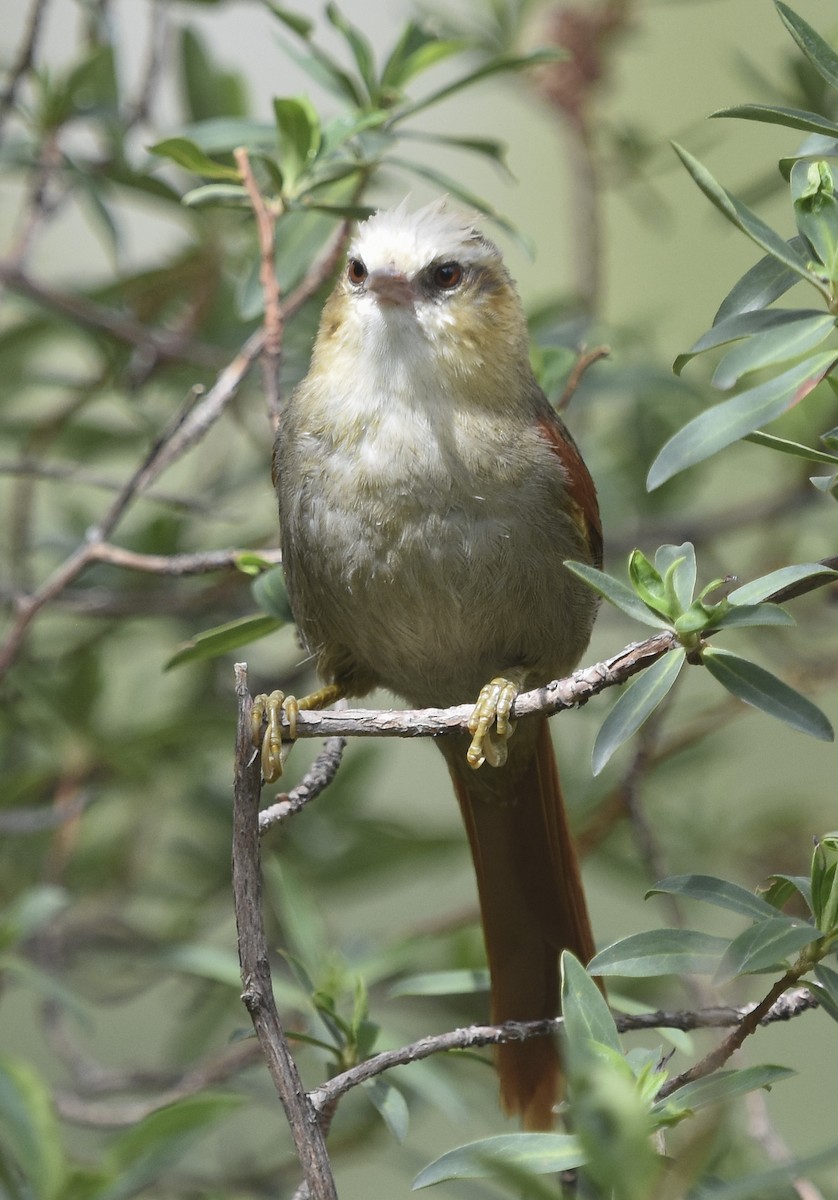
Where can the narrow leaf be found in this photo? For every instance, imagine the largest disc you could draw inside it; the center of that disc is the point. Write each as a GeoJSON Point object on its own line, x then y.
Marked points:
{"type": "Point", "coordinates": [784, 446]}
{"type": "Point", "coordinates": [680, 560]}
{"type": "Point", "coordinates": [768, 585]}
{"type": "Point", "coordinates": [742, 217]}
{"type": "Point", "coordinates": [774, 346]}
{"type": "Point", "coordinates": [769, 1185]}
{"type": "Point", "coordinates": [744, 615]}
{"type": "Point", "coordinates": [230, 195]}
{"type": "Point", "coordinates": [819, 53]}
{"type": "Point", "coordinates": [587, 1017]}
{"type": "Point", "coordinates": [743, 324]}
{"type": "Point", "coordinates": [616, 593]}
{"type": "Point", "coordinates": [765, 946]}
{"type": "Point", "coordinates": [441, 983]}
{"type": "Point", "coordinates": [783, 888]}
{"type": "Point", "coordinates": [224, 638]}
{"type": "Point", "coordinates": [390, 1105]}
{"type": "Point", "coordinates": [635, 705]}
{"type": "Point", "coordinates": [723, 1087]}
{"type": "Point", "coordinates": [793, 118]}
{"type": "Point", "coordinates": [359, 47]}
{"type": "Point", "coordinates": [760, 286]}
{"type": "Point", "coordinates": [759, 688]}
{"type": "Point", "coordinates": [827, 989]}
{"type": "Point", "coordinates": [540, 1153]}
{"type": "Point", "coordinates": [661, 952]}
{"type": "Point", "coordinates": [720, 892]}
{"type": "Point", "coordinates": [497, 66]}
{"type": "Point", "coordinates": [726, 423]}
{"type": "Point", "coordinates": [186, 154]}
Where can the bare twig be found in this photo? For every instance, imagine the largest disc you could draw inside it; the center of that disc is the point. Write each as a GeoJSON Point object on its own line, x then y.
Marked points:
{"type": "Point", "coordinates": [256, 975]}
{"type": "Point", "coordinates": [586, 359]}
{"type": "Point", "coordinates": [475, 1036]}
{"type": "Point", "coordinates": [318, 777]}
{"type": "Point", "coordinates": [24, 60]}
{"type": "Point", "coordinates": [175, 564]}
{"type": "Point", "coordinates": [266, 218]}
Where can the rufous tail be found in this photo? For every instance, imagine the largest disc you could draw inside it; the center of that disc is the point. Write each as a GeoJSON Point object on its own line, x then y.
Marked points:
{"type": "Point", "coordinates": [531, 902]}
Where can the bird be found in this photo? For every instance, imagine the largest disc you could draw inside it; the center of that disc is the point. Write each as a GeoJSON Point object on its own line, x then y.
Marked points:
{"type": "Point", "coordinates": [429, 498]}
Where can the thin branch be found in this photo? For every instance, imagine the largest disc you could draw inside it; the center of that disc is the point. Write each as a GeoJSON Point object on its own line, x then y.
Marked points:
{"type": "Point", "coordinates": [256, 974]}
{"type": "Point", "coordinates": [266, 218]}
{"type": "Point", "coordinates": [156, 344]}
{"type": "Point", "coordinates": [175, 564]}
{"type": "Point", "coordinates": [316, 779]}
{"type": "Point", "coordinates": [585, 360]}
{"type": "Point", "coordinates": [474, 1036]}
{"type": "Point", "coordinates": [24, 60]}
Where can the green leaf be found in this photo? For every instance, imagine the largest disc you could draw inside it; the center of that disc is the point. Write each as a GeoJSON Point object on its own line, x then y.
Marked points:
{"type": "Point", "coordinates": [775, 581]}
{"type": "Point", "coordinates": [359, 47]}
{"type": "Point", "coordinates": [759, 688]}
{"type": "Point", "coordinates": [783, 887]}
{"type": "Point", "coordinates": [793, 118]}
{"type": "Point", "coordinates": [784, 446]}
{"type": "Point", "coordinates": [496, 66]}
{"type": "Point", "coordinates": [209, 90]}
{"type": "Point", "coordinates": [760, 286]}
{"type": "Point", "coordinates": [720, 892]}
{"type": "Point", "coordinates": [300, 25]}
{"type": "Point", "coordinates": [733, 419]}
{"type": "Point", "coordinates": [635, 705]}
{"type": "Point", "coordinates": [774, 346]}
{"type": "Point", "coordinates": [415, 51]}
{"type": "Point", "coordinates": [29, 1133]}
{"type": "Point", "coordinates": [270, 593]}
{"type": "Point", "coordinates": [390, 1105]}
{"type": "Point", "coordinates": [677, 564]}
{"type": "Point", "coordinates": [743, 324]}
{"type": "Point", "coordinates": [723, 1086]}
{"type": "Point", "coordinates": [441, 983]}
{"type": "Point", "coordinates": [826, 989]}
{"type": "Point", "coordinates": [743, 615]}
{"type": "Point", "coordinates": [661, 952]}
{"type": "Point", "coordinates": [299, 135]}
{"type": "Point", "coordinates": [745, 220]}
{"type": "Point", "coordinates": [539, 1153]}
{"type": "Point", "coordinates": [819, 53]}
{"type": "Point", "coordinates": [764, 947]}
{"type": "Point", "coordinates": [454, 187]}
{"type": "Point", "coordinates": [228, 195]}
{"type": "Point", "coordinates": [224, 638]}
{"type": "Point", "coordinates": [616, 593]}
{"type": "Point", "coordinates": [186, 154]}
{"type": "Point", "coordinates": [205, 962]}
{"type": "Point", "coordinates": [647, 581]}
{"type": "Point", "coordinates": [587, 1017]}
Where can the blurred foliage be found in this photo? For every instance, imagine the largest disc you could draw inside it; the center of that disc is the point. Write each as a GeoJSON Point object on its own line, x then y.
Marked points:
{"type": "Point", "coordinates": [125, 1065]}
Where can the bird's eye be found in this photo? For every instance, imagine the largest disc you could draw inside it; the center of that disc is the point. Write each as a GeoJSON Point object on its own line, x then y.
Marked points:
{"type": "Point", "coordinates": [447, 275]}
{"type": "Point", "coordinates": [356, 272]}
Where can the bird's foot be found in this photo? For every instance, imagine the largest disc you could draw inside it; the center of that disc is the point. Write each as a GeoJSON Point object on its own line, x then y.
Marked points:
{"type": "Point", "coordinates": [273, 707]}
{"type": "Point", "coordinates": [489, 723]}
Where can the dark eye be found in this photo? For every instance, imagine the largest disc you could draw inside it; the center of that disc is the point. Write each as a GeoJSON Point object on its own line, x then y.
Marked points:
{"type": "Point", "coordinates": [356, 272]}
{"type": "Point", "coordinates": [447, 275]}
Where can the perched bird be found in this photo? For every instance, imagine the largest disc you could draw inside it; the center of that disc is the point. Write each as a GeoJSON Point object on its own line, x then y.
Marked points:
{"type": "Point", "coordinates": [429, 497]}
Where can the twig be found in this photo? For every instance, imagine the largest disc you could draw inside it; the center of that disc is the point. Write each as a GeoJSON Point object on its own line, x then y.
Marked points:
{"type": "Point", "coordinates": [316, 779]}
{"type": "Point", "coordinates": [721, 1053]}
{"type": "Point", "coordinates": [156, 344]}
{"type": "Point", "coordinates": [256, 974]}
{"type": "Point", "coordinates": [266, 218]}
{"type": "Point", "coordinates": [175, 564]}
{"type": "Point", "coordinates": [24, 60]}
{"type": "Point", "coordinates": [585, 360]}
{"type": "Point", "coordinates": [473, 1036]}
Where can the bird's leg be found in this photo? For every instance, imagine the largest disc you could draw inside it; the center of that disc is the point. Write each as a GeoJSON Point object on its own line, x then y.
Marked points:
{"type": "Point", "coordinates": [489, 723]}
{"type": "Point", "coordinates": [272, 707]}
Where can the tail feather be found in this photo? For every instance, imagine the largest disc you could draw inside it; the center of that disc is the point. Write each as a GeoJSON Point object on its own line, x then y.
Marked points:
{"type": "Point", "coordinates": [532, 905]}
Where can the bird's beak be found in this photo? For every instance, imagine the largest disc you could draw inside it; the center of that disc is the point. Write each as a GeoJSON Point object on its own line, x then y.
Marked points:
{"type": "Point", "coordinates": [390, 286]}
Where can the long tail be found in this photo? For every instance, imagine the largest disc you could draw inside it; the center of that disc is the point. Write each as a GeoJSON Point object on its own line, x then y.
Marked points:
{"type": "Point", "coordinates": [531, 901]}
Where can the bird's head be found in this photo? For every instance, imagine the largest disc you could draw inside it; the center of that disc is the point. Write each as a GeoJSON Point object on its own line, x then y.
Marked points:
{"type": "Point", "coordinates": [427, 291]}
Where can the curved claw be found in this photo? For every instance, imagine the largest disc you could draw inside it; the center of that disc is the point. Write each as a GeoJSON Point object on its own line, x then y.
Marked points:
{"type": "Point", "coordinates": [490, 724]}
{"type": "Point", "coordinates": [273, 707]}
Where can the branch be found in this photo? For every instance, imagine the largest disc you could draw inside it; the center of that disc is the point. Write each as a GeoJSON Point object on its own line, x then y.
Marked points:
{"type": "Point", "coordinates": [316, 779]}
{"type": "Point", "coordinates": [24, 60]}
{"type": "Point", "coordinates": [271, 356]}
{"type": "Point", "coordinates": [473, 1036]}
{"type": "Point", "coordinates": [256, 973]}
{"type": "Point", "coordinates": [174, 564]}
